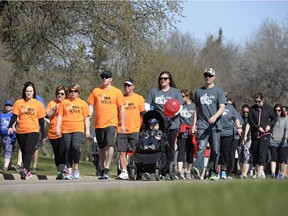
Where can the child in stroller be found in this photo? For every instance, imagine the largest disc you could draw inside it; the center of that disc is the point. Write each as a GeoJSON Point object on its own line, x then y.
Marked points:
{"type": "Point", "coordinates": [153, 135]}
{"type": "Point", "coordinates": [151, 159]}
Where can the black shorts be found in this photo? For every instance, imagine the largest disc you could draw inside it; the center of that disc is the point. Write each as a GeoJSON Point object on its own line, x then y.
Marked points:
{"type": "Point", "coordinates": [105, 136]}
{"type": "Point", "coordinates": [127, 142]}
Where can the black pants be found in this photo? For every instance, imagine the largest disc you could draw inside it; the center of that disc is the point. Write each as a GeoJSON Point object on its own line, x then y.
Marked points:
{"type": "Point", "coordinates": [172, 134]}
{"type": "Point", "coordinates": [225, 146]}
{"type": "Point", "coordinates": [185, 148]}
{"type": "Point", "coordinates": [231, 164]}
{"type": "Point", "coordinates": [27, 143]}
{"type": "Point", "coordinates": [59, 151]}
{"type": "Point", "coordinates": [260, 149]}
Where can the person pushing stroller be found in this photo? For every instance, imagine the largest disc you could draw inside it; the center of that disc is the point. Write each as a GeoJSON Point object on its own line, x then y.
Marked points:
{"type": "Point", "coordinates": [152, 135]}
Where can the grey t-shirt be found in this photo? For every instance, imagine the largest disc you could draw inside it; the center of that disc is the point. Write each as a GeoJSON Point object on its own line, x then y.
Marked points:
{"type": "Point", "coordinates": [207, 101]}
{"type": "Point", "coordinates": [228, 119]}
{"type": "Point", "coordinates": [157, 98]}
{"type": "Point", "coordinates": [279, 131]}
{"type": "Point", "coordinates": [187, 116]}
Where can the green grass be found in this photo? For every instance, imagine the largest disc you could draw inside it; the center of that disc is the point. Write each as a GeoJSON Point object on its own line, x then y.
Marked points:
{"type": "Point", "coordinates": [223, 198]}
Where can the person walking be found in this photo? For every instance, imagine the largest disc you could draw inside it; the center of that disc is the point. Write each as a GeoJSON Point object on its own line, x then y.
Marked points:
{"type": "Point", "coordinates": [261, 119]}
{"type": "Point", "coordinates": [30, 113]}
{"type": "Point", "coordinates": [73, 120]}
{"type": "Point", "coordinates": [156, 99]}
{"type": "Point", "coordinates": [126, 141]}
{"type": "Point", "coordinates": [8, 140]}
{"type": "Point", "coordinates": [278, 143]}
{"type": "Point", "coordinates": [184, 138]}
{"type": "Point", "coordinates": [109, 104]}
{"type": "Point", "coordinates": [210, 104]}
{"type": "Point", "coordinates": [56, 140]}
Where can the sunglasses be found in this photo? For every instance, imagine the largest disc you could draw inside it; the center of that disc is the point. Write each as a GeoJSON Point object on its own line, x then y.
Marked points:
{"type": "Point", "coordinates": [61, 93]}
{"type": "Point", "coordinates": [8, 105]}
{"type": "Point", "coordinates": [105, 77]}
{"type": "Point", "coordinates": [164, 78]}
{"type": "Point", "coordinates": [126, 85]}
{"type": "Point", "coordinates": [208, 75]}
{"type": "Point", "coordinates": [73, 91]}
{"type": "Point", "coordinates": [277, 110]}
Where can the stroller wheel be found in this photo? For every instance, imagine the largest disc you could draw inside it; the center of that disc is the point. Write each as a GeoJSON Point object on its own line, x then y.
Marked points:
{"type": "Point", "coordinates": [133, 173]}
{"type": "Point", "coordinates": [172, 170]}
{"type": "Point", "coordinates": [157, 174]}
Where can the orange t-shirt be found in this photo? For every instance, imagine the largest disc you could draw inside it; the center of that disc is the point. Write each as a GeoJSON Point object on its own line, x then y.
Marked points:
{"type": "Point", "coordinates": [106, 103]}
{"type": "Point", "coordinates": [74, 113]}
{"type": "Point", "coordinates": [134, 105]}
{"type": "Point", "coordinates": [29, 112]}
{"type": "Point", "coordinates": [53, 121]}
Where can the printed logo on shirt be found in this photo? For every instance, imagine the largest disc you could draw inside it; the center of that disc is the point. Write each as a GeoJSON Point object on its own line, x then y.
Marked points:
{"type": "Point", "coordinates": [70, 108]}
{"type": "Point", "coordinates": [26, 110]}
{"type": "Point", "coordinates": [4, 123]}
{"type": "Point", "coordinates": [104, 99]}
{"type": "Point", "coordinates": [226, 111]}
{"type": "Point", "coordinates": [186, 113]}
{"type": "Point", "coordinates": [161, 99]}
{"type": "Point", "coordinates": [205, 99]}
{"type": "Point", "coordinates": [130, 105]}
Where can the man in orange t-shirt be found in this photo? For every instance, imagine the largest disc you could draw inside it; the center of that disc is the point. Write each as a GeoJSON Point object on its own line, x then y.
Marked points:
{"type": "Point", "coordinates": [109, 104]}
{"type": "Point", "coordinates": [134, 105]}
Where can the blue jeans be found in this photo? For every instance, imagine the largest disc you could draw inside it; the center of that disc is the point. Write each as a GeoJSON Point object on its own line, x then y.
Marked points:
{"type": "Point", "coordinates": [213, 137]}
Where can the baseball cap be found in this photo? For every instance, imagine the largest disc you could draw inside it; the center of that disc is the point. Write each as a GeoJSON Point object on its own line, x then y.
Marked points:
{"type": "Point", "coordinates": [152, 121]}
{"type": "Point", "coordinates": [9, 102]}
{"type": "Point", "coordinates": [210, 71]}
{"type": "Point", "coordinates": [129, 81]}
{"type": "Point", "coordinates": [106, 73]}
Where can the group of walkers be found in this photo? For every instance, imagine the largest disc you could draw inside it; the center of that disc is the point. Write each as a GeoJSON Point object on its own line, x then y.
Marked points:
{"type": "Point", "coordinates": [205, 133]}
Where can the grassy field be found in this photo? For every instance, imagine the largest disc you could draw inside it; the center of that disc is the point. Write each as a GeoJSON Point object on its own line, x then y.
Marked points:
{"type": "Point", "coordinates": [248, 197]}
{"type": "Point", "coordinates": [236, 197]}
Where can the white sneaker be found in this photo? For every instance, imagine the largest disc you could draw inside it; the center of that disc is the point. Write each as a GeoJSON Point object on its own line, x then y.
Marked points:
{"type": "Point", "coordinates": [124, 175]}
{"type": "Point", "coordinates": [261, 175]}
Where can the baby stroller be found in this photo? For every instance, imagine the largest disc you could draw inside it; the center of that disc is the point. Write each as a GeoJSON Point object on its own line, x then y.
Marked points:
{"type": "Point", "coordinates": [151, 161]}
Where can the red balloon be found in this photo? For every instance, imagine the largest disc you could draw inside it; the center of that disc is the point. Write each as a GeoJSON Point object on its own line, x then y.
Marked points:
{"type": "Point", "coordinates": [171, 107]}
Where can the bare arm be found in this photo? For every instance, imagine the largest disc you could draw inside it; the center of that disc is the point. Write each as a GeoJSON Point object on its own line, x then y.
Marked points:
{"type": "Point", "coordinates": [122, 117]}
{"type": "Point", "coordinates": [59, 120]}
{"type": "Point", "coordinates": [87, 126]}
{"type": "Point", "coordinates": [91, 110]}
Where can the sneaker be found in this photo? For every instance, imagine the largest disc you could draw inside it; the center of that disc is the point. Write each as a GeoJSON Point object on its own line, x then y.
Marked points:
{"type": "Point", "coordinates": [214, 177]}
{"type": "Point", "coordinates": [34, 170]}
{"type": "Point", "coordinates": [281, 176]}
{"type": "Point", "coordinates": [5, 169]}
{"type": "Point", "coordinates": [123, 175]}
{"type": "Point", "coordinates": [195, 173]}
{"type": "Point", "coordinates": [223, 174]}
{"type": "Point", "coordinates": [243, 176]}
{"type": "Point", "coordinates": [272, 175]}
{"type": "Point", "coordinates": [151, 147]}
{"type": "Point", "coordinates": [99, 173]}
{"type": "Point", "coordinates": [188, 176]}
{"type": "Point", "coordinates": [25, 174]}
{"type": "Point", "coordinates": [60, 176]}
{"type": "Point", "coordinates": [261, 175]}
{"type": "Point", "coordinates": [76, 174]}
{"type": "Point", "coordinates": [105, 175]}
{"type": "Point", "coordinates": [69, 176]}
{"type": "Point", "coordinates": [17, 168]}
{"type": "Point", "coordinates": [180, 174]}
{"type": "Point", "coordinates": [167, 176]}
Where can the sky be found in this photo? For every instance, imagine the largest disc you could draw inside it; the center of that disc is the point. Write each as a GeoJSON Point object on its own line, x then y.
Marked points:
{"type": "Point", "coordinates": [238, 19]}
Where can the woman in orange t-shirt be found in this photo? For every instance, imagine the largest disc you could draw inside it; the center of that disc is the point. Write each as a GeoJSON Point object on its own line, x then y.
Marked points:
{"type": "Point", "coordinates": [57, 141]}
{"type": "Point", "coordinates": [30, 113]}
{"type": "Point", "coordinates": [73, 113]}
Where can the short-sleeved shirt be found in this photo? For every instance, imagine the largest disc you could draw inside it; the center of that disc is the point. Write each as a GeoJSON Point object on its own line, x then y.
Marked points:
{"type": "Point", "coordinates": [279, 132]}
{"type": "Point", "coordinates": [228, 119]}
{"type": "Point", "coordinates": [134, 105]}
{"type": "Point", "coordinates": [208, 102]}
{"type": "Point", "coordinates": [157, 98]}
{"type": "Point", "coordinates": [106, 102]}
{"type": "Point", "coordinates": [187, 116]}
{"type": "Point", "coordinates": [53, 121]}
{"type": "Point", "coordinates": [74, 113]}
{"type": "Point", "coordinates": [29, 113]}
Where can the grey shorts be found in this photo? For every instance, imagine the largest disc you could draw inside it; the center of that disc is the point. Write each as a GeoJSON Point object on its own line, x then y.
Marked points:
{"type": "Point", "coordinates": [105, 136]}
{"type": "Point", "coordinates": [244, 153]}
{"type": "Point", "coordinates": [127, 142]}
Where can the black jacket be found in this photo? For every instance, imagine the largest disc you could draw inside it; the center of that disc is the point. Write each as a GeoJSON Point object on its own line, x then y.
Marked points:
{"type": "Point", "coordinates": [267, 117]}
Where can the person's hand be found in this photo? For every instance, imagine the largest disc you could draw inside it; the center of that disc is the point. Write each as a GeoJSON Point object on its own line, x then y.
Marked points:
{"type": "Point", "coordinates": [10, 131]}
{"type": "Point", "coordinates": [123, 129]}
{"type": "Point", "coordinates": [87, 134]}
{"type": "Point", "coordinates": [239, 130]}
{"type": "Point", "coordinates": [267, 129]}
{"type": "Point", "coordinates": [261, 130]}
{"type": "Point", "coordinates": [58, 133]}
{"type": "Point", "coordinates": [244, 140]}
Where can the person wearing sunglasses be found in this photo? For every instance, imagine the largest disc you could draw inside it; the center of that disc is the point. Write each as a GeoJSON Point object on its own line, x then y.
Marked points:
{"type": "Point", "coordinates": [157, 98]}
{"type": "Point", "coordinates": [126, 142]}
{"type": "Point", "coordinates": [8, 140]}
{"type": "Point", "coordinates": [278, 144]}
{"type": "Point", "coordinates": [56, 140]}
{"type": "Point", "coordinates": [73, 120]}
{"type": "Point", "coordinates": [210, 104]}
{"type": "Point", "coordinates": [30, 113]}
{"type": "Point", "coordinates": [109, 105]}
{"type": "Point", "coordinates": [261, 119]}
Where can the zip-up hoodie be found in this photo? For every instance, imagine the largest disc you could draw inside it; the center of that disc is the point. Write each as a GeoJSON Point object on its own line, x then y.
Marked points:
{"type": "Point", "coordinates": [267, 117]}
